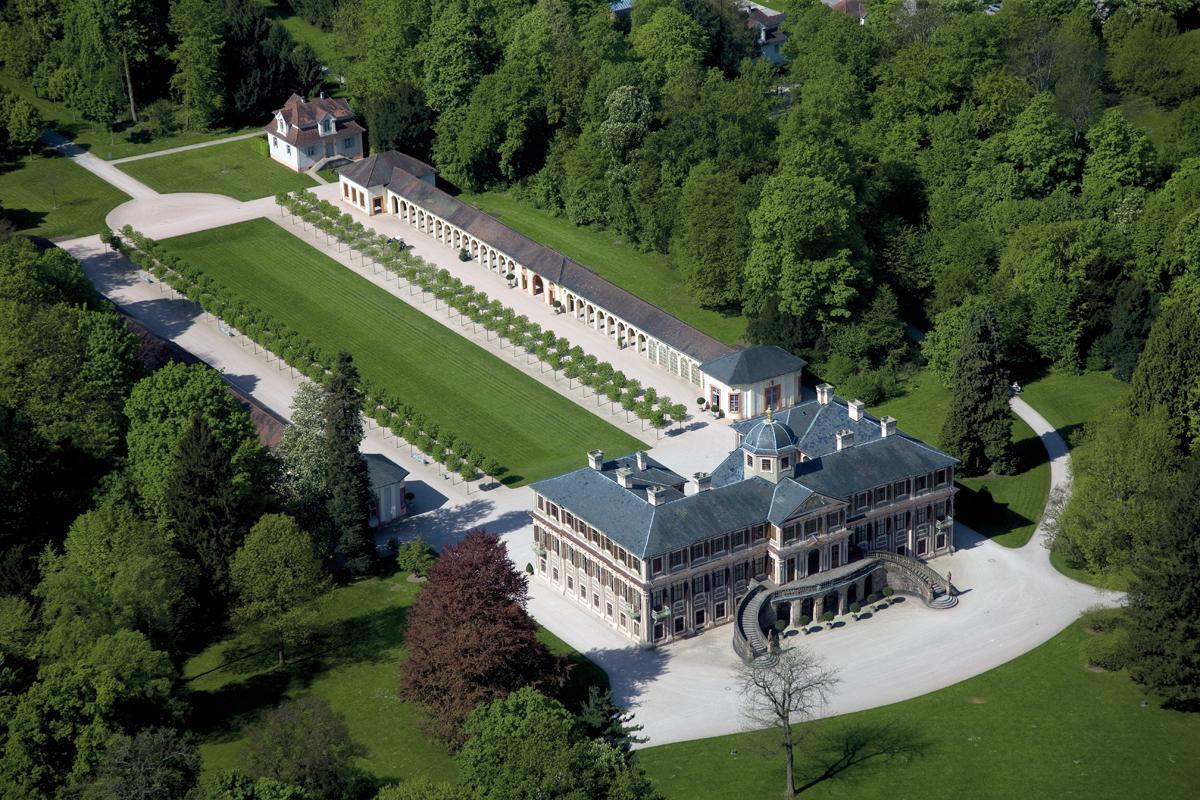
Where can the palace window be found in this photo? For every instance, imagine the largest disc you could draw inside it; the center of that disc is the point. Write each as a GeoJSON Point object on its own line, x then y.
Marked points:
{"type": "Point", "coordinates": [789, 533]}
{"type": "Point", "coordinates": [833, 520]}
{"type": "Point", "coordinates": [922, 515]}
{"type": "Point", "coordinates": [760, 532]}
{"type": "Point", "coordinates": [941, 541]}
{"type": "Point", "coordinates": [719, 610]}
{"type": "Point", "coordinates": [860, 534]}
{"type": "Point", "coordinates": [696, 373]}
{"type": "Point", "coordinates": [739, 539]}
{"type": "Point", "coordinates": [678, 592]}
{"type": "Point", "coordinates": [677, 559]}
{"type": "Point", "coordinates": [939, 477]}
{"type": "Point", "coordinates": [715, 398]}
{"type": "Point", "coordinates": [699, 617]}
{"type": "Point", "coordinates": [735, 402]}
{"type": "Point", "coordinates": [656, 565]}
{"type": "Point", "coordinates": [922, 546]}
{"type": "Point", "coordinates": [899, 489]}
{"type": "Point", "coordinates": [699, 584]}
{"type": "Point", "coordinates": [674, 359]}
{"type": "Point", "coordinates": [922, 482]}
{"type": "Point", "coordinates": [717, 545]}
{"type": "Point", "coordinates": [766, 463]}
{"type": "Point", "coordinates": [861, 500]}
{"type": "Point", "coordinates": [583, 591]}
{"type": "Point", "coordinates": [718, 579]}
{"type": "Point", "coordinates": [698, 552]}
{"type": "Point", "coordinates": [739, 571]}
{"type": "Point", "coordinates": [811, 527]}
{"type": "Point", "coordinates": [570, 584]}
{"type": "Point", "coordinates": [568, 519]}
{"type": "Point", "coordinates": [881, 495]}
{"type": "Point", "coordinates": [939, 510]}
{"type": "Point", "coordinates": [623, 623]}
{"type": "Point", "coordinates": [595, 600]}
{"type": "Point", "coordinates": [608, 609]}
{"type": "Point", "coordinates": [555, 573]}
{"type": "Point", "coordinates": [659, 631]}
{"type": "Point", "coordinates": [541, 503]}
{"type": "Point", "coordinates": [749, 461]}
{"type": "Point", "coordinates": [784, 462]}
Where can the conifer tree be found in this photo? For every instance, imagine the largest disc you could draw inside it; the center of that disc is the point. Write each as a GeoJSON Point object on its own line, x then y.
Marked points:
{"type": "Point", "coordinates": [203, 507]}
{"type": "Point", "coordinates": [348, 488]}
{"type": "Point", "coordinates": [978, 428]}
{"type": "Point", "coordinates": [1164, 601]}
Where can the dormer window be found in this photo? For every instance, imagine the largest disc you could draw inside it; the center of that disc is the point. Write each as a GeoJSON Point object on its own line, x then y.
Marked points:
{"type": "Point", "coordinates": [327, 124]}
{"type": "Point", "coordinates": [784, 462]}
{"type": "Point", "coordinates": [280, 124]}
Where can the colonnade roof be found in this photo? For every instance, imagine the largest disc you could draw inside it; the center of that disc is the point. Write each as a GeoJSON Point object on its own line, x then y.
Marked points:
{"type": "Point", "coordinates": [550, 264]}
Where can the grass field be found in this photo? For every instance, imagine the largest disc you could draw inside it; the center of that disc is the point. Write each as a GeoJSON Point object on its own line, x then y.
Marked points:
{"type": "Point", "coordinates": [242, 170]}
{"type": "Point", "coordinates": [304, 31]}
{"type": "Point", "coordinates": [353, 663]}
{"type": "Point", "coordinates": [532, 430]}
{"type": "Point", "coordinates": [1069, 401]}
{"type": "Point", "coordinates": [96, 138]}
{"type": "Point", "coordinates": [49, 196]}
{"type": "Point", "coordinates": [1040, 726]}
{"type": "Point", "coordinates": [1017, 501]}
{"type": "Point", "coordinates": [650, 276]}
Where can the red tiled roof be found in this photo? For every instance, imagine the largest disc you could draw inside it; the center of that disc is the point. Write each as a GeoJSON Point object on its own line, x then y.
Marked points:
{"type": "Point", "coordinates": [301, 112]}
{"type": "Point", "coordinates": [302, 137]}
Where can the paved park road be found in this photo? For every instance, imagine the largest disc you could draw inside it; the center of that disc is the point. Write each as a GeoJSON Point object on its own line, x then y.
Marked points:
{"type": "Point", "coordinates": [1012, 599]}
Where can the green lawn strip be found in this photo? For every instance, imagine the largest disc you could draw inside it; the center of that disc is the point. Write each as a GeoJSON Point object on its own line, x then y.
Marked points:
{"type": "Point", "coordinates": [1042, 725]}
{"type": "Point", "coordinates": [650, 276]}
{"type": "Point", "coordinates": [242, 170]}
{"type": "Point", "coordinates": [96, 138]}
{"type": "Point", "coordinates": [1016, 502]}
{"type": "Point", "coordinates": [331, 175]}
{"type": "Point", "coordinates": [49, 196]}
{"type": "Point", "coordinates": [461, 387]}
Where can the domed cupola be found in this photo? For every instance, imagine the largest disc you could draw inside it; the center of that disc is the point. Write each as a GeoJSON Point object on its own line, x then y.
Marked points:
{"type": "Point", "coordinates": [769, 449]}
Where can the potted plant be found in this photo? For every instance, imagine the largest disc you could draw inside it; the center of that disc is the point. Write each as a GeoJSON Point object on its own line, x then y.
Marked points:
{"type": "Point", "coordinates": [529, 568]}
{"type": "Point", "coordinates": [828, 616]}
{"type": "Point", "coordinates": [854, 609]}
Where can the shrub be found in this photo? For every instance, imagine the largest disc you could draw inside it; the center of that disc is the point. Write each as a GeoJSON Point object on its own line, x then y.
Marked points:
{"type": "Point", "coordinates": [529, 568]}
{"type": "Point", "coordinates": [855, 608]}
{"type": "Point", "coordinates": [805, 621]}
{"type": "Point", "coordinates": [415, 556]}
{"type": "Point", "coordinates": [828, 616]}
{"type": "Point", "coordinates": [1104, 620]}
{"type": "Point", "coordinates": [1109, 651]}
{"type": "Point", "coordinates": [781, 625]}
{"type": "Point", "coordinates": [888, 591]}
{"type": "Point", "coordinates": [874, 597]}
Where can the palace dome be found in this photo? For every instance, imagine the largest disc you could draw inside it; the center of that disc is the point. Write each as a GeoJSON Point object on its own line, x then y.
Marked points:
{"type": "Point", "coordinates": [769, 437]}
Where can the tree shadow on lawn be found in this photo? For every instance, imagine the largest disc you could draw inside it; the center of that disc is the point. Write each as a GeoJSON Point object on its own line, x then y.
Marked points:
{"type": "Point", "coordinates": [856, 750]}
{"type": "Point", "coordinates": [220, 715]}
{"type": "Point", "coordinates": [980, 511]}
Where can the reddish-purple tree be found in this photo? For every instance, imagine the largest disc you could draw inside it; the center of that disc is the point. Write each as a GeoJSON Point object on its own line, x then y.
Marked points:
{"type": "Point", "coordinates": [469, 638]}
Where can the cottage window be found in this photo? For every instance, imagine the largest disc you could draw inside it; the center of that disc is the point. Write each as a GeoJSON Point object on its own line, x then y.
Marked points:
{"type": "Point", "coordinates": [347, 143]}
{"type": "Point", "coordinates": [274, 142]}
{"type": "Point", "coordinates": [308, 151]}
{"type": "Point", "coordinates": [735, 402]}
{"type": "Point", "coordinates": [289, 149]}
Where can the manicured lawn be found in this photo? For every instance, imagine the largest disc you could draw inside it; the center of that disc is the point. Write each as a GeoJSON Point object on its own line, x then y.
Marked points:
{"type": "Point", "coordinates": [1068, 401]}
{"type": "Point", "coordinates": [49, 196]}
{"type": "Point", "coordinates": [353, 662]}
{"type": "Point", "coordinates": [242, 170]}
{"type": "Point", "coordinates": [96, 138]}
{"type": "Point", "coordinates": [651, 276]}
{"type": "Point", "coordinates": [1041, 725]}
{"type": "Point", "coordinates": [530, 429]}
{"type": "Point", "coordinates": [1016, 501]}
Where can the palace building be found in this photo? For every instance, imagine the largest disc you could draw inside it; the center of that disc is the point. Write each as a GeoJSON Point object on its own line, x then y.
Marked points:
{"type": "Point", "coordinates": [820, 505]}
{"type": "Point", "coordinates": [739, 383]}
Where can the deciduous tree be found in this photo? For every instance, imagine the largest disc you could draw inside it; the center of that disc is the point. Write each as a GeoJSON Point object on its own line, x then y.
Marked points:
{"type": "Point", "coordinates": [305, 743]}
{"type": "Point", "coordinates": [457, 661]}
{"type": "Point", "coordinates": [275, 580]}
{"type": "Point", "coordinates": [778, 693]}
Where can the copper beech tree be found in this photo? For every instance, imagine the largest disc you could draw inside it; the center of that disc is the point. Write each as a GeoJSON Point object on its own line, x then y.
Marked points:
{"type": "Point", "coordinates": [469, 638]}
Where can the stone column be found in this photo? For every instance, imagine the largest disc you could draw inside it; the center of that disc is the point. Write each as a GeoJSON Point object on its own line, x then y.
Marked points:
{"type": "Point", "coordinates": [797, 606]}
{"type": "Point", "coordinates": [842, 608]}
{"type": "Point", "coordinates": [818, 607]}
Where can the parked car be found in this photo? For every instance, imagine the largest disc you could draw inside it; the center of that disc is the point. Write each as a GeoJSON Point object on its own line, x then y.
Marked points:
{"type": "Point", "coordinates": [396, 240]}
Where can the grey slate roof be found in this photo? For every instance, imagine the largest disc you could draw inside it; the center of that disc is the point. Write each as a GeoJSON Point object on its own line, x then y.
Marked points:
{"type": "Point", "coordinates": [788, 497]}
{"type": "Point", "coordinates": [550, 264]}
{"type": "Point", "coordinates": [753, 364]}
{"type": "Point", "coordinates": [382, 471]}
{"type": "Point", "coordinates": [855, 469]}
{"type": "Point", "coordinates": [377, 170]}
{"type": "Point", "coordinates": [768, 437]}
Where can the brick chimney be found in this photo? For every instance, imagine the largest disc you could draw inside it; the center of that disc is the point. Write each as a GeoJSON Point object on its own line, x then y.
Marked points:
{"type": "Point", "coordinates": [656, 495]}
{"type": "Point", "coordinates": [642, 461]}
{"type": "Point", "coordinates": [625, 478]}
{"type": "Point", "coordinates": [824, 393]}
{"type": "Point", "coordinates": [596, 459]}
{"type": "Point", "coordinates": [845, 438]}
{"type": "Point", "coordinates": [887, 427]}
{"type": "Point", "coordinates": [856, 409]}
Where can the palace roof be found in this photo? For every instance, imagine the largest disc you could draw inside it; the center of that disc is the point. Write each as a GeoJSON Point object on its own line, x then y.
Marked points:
{"type": "Point", "coordinates": [744, 367]}
{"type": "Point", "coordinates": [768, 437]}
{"type": "Point", "coordinates": [735, 501]}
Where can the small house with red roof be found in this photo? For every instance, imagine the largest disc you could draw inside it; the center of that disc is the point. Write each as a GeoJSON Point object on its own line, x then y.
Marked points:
{"type": "Point", "coordinates": [306, 132]}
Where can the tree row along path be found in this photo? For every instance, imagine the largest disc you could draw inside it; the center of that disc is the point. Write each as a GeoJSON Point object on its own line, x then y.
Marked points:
{"type": "Point", "coordinates": [1012, 600]}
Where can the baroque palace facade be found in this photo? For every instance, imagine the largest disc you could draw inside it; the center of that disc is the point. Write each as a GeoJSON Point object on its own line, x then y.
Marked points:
{"type": "Point", "coordinates": [817, 504]}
